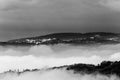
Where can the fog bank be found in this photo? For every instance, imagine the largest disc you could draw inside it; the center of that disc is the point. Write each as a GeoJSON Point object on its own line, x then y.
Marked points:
{"type": "Point", "coordinates": [60, 74]}
{"type": "Point", "coordinates": [45, 56]}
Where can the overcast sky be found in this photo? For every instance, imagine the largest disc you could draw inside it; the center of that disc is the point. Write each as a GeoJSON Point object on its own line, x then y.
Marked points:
{"type": "Point", "coordinates": [23, 18]}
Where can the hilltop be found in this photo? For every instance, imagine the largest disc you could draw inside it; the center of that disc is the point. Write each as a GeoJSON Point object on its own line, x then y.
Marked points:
{"type": "Point", "coordinates": [68, 38]}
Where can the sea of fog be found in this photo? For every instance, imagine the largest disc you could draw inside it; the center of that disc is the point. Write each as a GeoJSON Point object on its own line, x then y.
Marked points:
{"type": "Point", "coordinates": [43, 57]}
{"type": "Point", "coordinates": [59, 74]}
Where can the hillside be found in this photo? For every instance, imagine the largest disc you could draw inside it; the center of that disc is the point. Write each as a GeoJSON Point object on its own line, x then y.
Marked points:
{"type": "Point", "coordinates": [68, 38]}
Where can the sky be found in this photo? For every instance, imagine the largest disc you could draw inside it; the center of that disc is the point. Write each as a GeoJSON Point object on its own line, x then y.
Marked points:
{"type": "Point", "coordinates": [23, 18]}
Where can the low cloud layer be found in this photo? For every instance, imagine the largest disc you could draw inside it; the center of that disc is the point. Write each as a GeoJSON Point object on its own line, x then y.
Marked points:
{"type": "Point", "coordinates": [44, 56]}
{"type": "Point", "coordinates": [55, 75]}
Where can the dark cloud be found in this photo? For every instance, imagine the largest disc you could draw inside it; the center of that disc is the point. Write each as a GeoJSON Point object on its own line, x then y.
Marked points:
{"type": "Point", "coordinates": [20, 18]}
{"type": "Point", "coordinates": [6, 5]}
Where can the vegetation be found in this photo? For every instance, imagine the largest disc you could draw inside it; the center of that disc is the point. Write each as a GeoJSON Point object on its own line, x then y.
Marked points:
{"type": "Point", "coordinates": [106, 67]}
{"type": "Point", "coordinates": [68, 38]}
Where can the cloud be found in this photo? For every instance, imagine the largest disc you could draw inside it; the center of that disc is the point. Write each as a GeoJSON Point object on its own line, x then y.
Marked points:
{"type": "Point", "coordinates": [115, 57]}
{"type": "Point", "coordinates": [7, 5]}
{"type": "Point", "coordinates": [44, 56]}
{"type": "Point", "coordinates": [32, 62]}
{"type": "Point", "coordinates": [59, 74]}
{"type": "Point", "coordinates": [112, 4]}
{"type": "Point", "coordinates": [21, 18]}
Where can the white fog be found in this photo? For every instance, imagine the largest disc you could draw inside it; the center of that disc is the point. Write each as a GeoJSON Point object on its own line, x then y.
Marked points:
{"type": "Point", "coordinates": [58, 55]}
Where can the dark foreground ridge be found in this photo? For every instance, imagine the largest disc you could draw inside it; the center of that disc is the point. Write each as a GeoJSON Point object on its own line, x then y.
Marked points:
{"type": "Point", "coordinates": [105, 68]}
{"type": "Point", "coordinates": [68, 38]}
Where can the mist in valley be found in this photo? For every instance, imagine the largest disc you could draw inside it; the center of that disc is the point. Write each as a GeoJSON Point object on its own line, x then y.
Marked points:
{"type": "Point", "coordinates": [43, 57]}
{"type": "Point", "coordinates": [59, 74]}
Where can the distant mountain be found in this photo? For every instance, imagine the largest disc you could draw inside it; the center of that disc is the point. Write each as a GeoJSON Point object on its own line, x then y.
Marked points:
{"type": "Point", "coordinates": [68, 38]}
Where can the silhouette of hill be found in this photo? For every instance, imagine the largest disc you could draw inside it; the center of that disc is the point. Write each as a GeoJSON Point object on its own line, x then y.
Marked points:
{"type": "Point", "coordinates": [105, 68]}
{"type": "Point", "coordinates": [68, 38]}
